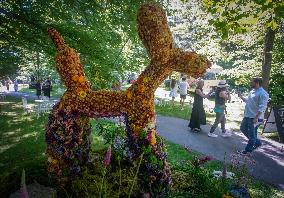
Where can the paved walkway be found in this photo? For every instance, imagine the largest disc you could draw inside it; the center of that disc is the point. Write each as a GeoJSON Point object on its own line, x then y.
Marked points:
{"type": "Point", "coordinates": [269, 159]}
{"type": "Point", "coordinates": [29, 96]}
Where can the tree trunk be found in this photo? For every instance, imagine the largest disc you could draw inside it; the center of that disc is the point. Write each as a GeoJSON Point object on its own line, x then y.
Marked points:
{"type": "Point", "coordinates": [37, 66]}
{"type": "Point", "coordinates": [267, 56]}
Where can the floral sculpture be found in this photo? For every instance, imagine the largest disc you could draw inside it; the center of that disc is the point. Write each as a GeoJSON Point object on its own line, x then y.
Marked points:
{"type": "Point", "coordinates": [68, 130]}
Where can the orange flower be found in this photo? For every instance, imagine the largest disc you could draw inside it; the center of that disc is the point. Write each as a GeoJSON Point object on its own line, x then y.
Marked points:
{"type": "Point", "coordinates": [141, 88]}
{"type": "Point", "coordinates": [81, 79]}
{"type": "Point", "coordinates": [75, 78]}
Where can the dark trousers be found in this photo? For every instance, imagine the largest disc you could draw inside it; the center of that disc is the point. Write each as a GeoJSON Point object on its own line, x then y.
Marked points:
{"type": "Point", "coordinates": [248, 129]}
{"type": "Point", "coordinates": [220, 118]}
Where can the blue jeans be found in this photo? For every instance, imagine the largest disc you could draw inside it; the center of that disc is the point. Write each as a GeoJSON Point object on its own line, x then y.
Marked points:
{"type": "Point", "coordinates": [251, 133]}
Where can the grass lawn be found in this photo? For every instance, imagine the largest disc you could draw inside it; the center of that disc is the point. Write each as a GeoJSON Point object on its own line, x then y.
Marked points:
{"type": "Point", "coordinates": [22, 146]}
{"type": "Point", "coordinates": [175, 111]}
{"type": "Point", "coordinates": [57, 90]}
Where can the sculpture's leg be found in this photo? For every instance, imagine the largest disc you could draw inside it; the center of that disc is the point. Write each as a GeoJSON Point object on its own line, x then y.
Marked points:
{"type": "Point", "coordinates": [154, 173]}
{"type": "Point", "coordinates": [67, 144]}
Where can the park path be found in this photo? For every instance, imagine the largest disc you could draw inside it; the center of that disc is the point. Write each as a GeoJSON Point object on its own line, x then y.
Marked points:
{"type": "Point", "coordinates": [269, 158]}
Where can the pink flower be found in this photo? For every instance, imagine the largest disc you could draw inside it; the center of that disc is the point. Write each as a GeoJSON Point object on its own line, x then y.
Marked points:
{"type": "Point", "coordinates": [189, 150]}
{"type": "Point", "coordinates": [106, 161]}
{"type": "Point", "coordinates": [23, 190]}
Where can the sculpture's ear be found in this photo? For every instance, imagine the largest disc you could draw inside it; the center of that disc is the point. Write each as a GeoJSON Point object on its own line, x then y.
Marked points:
{"type": "Point", "coordinates": [154, 31]}
{"type": "Point", "coordinates": [68, 63]}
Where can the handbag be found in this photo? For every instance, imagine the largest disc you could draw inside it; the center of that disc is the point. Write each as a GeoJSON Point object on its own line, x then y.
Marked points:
{"type": "Point", "coordinates": [219, 109]}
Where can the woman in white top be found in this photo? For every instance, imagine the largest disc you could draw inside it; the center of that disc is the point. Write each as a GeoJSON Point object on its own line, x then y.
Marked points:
{"type": "Point", "coordinates": [174, 88]}
{"type": "Point", "coordinates": [183, 86]}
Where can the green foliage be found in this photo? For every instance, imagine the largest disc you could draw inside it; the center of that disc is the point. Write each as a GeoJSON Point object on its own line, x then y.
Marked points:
{"type": "Point", "coordinates": [108, 130]}
{"type": "Point", "coordinates": [89, 184]}
{"type": "Point", "coordinates": [104, 33]}
{"type": "Point", "coordinates": [9, 61]}
{"type": "Point", "coordinates": [239, 16]}
{"type": "Point", "coordinates": [276, 88]}
{"type": "Point", "coordinates": [192, 31]}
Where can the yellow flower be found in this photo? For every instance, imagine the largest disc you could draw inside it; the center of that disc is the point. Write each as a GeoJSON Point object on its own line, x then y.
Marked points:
{"type": "Point", "coordinates": [54, 161]}
{"type": "Point", "coordinates": [128, 94]}
{"type": "Point", "coordinates": [145, 80]}
{"type": "Point", "coordinates": [153, 138]}
{"type": "Point", "coordinates": [227, 196]}
{"type": "Point", "coordinates": [82, 94]}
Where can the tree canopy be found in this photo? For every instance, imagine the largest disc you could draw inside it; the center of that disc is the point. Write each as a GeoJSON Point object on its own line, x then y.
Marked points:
{"type": "Point", "coordinates": [230, 33]}
{"type": "Point", "coordinates": [104, 33]}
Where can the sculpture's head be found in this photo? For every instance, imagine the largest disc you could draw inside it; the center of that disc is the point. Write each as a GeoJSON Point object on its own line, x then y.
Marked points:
{"type": "Point", "coordinates": [191, 63]}
{"type": "Point", "coordinates": [157, 38]}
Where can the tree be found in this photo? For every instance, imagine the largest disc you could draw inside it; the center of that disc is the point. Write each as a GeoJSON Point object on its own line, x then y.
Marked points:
{"type": "Point", "coordinates": [276, 89]}
{"type": "Point", "coordinates": [104, 33]}
{"type": "Point", "coordinates": [189, 23]}
{"type": "Point", "coordinates": [241, 16]}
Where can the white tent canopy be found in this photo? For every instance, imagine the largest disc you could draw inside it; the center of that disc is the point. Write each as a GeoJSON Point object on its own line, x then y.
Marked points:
{"type": "Point", "coordinates": [215, 69]}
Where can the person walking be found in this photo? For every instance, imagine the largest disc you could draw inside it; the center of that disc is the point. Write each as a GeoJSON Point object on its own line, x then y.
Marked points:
{"type": "Point", "coordinates": [16, 85]}
{"type": "Point", "coordinates": [183, 86]}
{"type": "Point", "coordinates": [221, 96]}
{"type": "Point", "coordinates": [198, 116]}
{"type": "Point", "coordinates": [46, 87]}
{"type": "Point", "coordinates": [174, 88]}
{"type": "Point", "coordinates": [38, 89]}
{"type": "Point", "coordinates": [7, 84]}
{"type": "Point", "coordinates": [256, 104]}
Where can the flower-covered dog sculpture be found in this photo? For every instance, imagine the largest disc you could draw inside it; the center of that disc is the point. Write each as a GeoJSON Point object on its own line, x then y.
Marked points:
{"type": "Point", "coordinates": [68, 129]}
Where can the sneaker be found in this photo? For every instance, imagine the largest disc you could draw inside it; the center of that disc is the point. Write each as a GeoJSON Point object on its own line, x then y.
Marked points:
{"type": "Point", "coordinates": [256, 146]}
{"type": "Point", "coordinates": [245, 153]}
{"type": "Point", "coordinates": [192, 130]}
{"type": "Point", "coordinates": [196, 130]}
{"type": "Point", "coordinates": [212, 135]}
{"type": "Point", "coordinates": [226, 134]}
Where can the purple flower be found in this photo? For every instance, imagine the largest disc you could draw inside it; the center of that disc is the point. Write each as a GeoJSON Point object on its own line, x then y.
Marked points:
{"type": "Point", "coordinates": [106, 161]}
{"type": "Point", "coordinates": [204, 159]}
{"type": "Point", "coordinates": [197, 162]}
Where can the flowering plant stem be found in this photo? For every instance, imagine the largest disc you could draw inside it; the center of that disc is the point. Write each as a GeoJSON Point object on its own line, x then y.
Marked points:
{"type": "Point", "coordinates": [102, 184]}
{"type": "Point", "coordinates": [119, 178]}
{"type": "Point", "coordinates": [134, 180]}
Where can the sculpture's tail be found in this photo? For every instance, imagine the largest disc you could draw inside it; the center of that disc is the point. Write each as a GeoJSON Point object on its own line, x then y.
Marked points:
{"type": "Point", "coordinates": [154, 32]}
{"type": "Point", "coordinates": [68, 63]}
